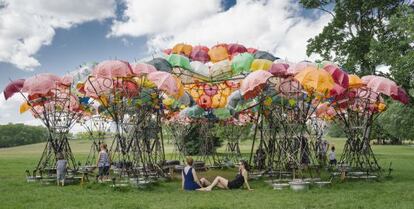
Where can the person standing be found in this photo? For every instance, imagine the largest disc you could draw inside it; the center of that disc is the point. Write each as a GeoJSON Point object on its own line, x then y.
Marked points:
{"type": "Point", "coordinates": [61, 168]}
{"type": "Point", "coordinates": [103, 163]}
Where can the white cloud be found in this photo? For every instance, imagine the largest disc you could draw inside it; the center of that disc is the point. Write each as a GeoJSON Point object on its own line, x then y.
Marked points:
{"type": "Point", "coordinates": [272, 25]}
{"type": "Point", "coordinates": [27, 25]}
{"type": "Point", "coordinates": [10, 112]}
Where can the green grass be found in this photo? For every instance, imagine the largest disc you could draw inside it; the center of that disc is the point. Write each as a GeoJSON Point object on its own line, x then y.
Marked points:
{"type": "Point", "coordinates": [16, 193]}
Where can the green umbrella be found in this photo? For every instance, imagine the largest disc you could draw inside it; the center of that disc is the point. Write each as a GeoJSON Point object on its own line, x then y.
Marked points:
{"type": "Point", "coordinates": [241, 63]}
{"type": "Point", "coordinates": [177, 60]}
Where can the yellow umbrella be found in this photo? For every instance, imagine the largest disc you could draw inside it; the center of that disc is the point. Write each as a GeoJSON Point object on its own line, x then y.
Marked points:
{"type": "Point", "coordinates": [218, 53]}
{"type": "Point", "coordinates": [24, 107]}
{"type": "Point", "coordinates": [182, 49]}
{"type": "Point", "coordinates": [314, 80]}
{"type": "Point", "coordinates": [355, 81]}
{"type": "Point", "coordinates": [261, 64]}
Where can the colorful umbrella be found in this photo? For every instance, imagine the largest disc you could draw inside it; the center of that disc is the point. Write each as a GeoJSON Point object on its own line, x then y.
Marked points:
{"type": "Point", "coordinates": [261, 64]}
{"type": "Point", "coordinates": [218, 54]}
{"type": "Point", "coordinates": [97, 86]}
{"type": "Point", "coordinates": [402, 96]}
{"type": "Point", "coordinates": [264, 55]}
{"type": "Point", "coordinates": [177, 60]}
{"type": "Point", "coordinates": [41, 83]}
{"type": "Point", "coordinates": [296, 68]}
{"type": "Point", "coordinates": [140, 69]}
{"type": "Point", "coordinates": [340, 77]}
{"type": "Point", "coordinates": [200, 68]}
{"type": "Point", "coordinates": [279, 69]}
{"type": "Point", "coordinates": [112, 69]}
{"type": "Point", "coordinates": [355, 81]}
{"type": "Point", "coordinates": [12, 88]}
{"type": "Point", "coordinates": [161, 64]}
{"type": "Point", "coordinates": [381, 85]}
{"type": "Point", "coordinates": [241, 63]}
{"type": "Point", "coordinates": [220, 69]}
{"type": "Point", "coordinates": [165, 82]}
{"type": "Point", "coordinates": [200, 53]}
{"type": "Point", "coordinates": [314, 80]}
{"type": "Point", "coordinates": [254, 83]}
{"type": "Point", "coordinates": [184, 49]}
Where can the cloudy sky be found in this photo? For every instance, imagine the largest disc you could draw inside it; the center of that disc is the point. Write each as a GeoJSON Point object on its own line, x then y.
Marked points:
{"type": "Point", "coordinates": [56, 36]}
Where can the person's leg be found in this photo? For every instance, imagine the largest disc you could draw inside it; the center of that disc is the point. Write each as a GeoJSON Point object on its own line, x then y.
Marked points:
{"type": "Point", "coordinates": [219, 182]}
{"type": "Point", "coordinates": [204, 182]}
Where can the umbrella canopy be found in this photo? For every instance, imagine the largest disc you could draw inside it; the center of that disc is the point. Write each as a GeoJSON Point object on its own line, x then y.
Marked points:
{"type": "Point", "coordinates": [200, 68]}
{"type": "Point", "coordinates": [402, 96]}
{"type": "Point", "coordinates": [264, 55]}
{"type": "Point", "coordinates": [112, 69]}
{"type": "Point", "coordinates": [279, 69]}
{"type": "Point", "coordinates": [296, 68]}
{"type": "Point", "coordinates": [234, 99]}
{"type": "Point", "coordinates": [184, 49]}
{"type": "Point", "coordinates": [220, 68]}
{"type": "Point", "coordinates": [218, 54]}
{"type": "Point", "coordinates": [241, 63]}
{"type": "Point", "coordinates": [314, 80]}
{"type": "Point", "coordinates": [67, 80]}
{"type": "Point", "coordinates": [165, 82]}
{"type": "Point", "coordinates": [12, 88]}
{"type": "Point", "coordinates": [161, 64]}
{"type": "Point", "coordinates": [41, 83]}
{"type": "Point", "coordinates": [254, 83]}
{"type": "Point", "coordinates": [140, 69]}
{"type": "Point", "coordinates": [355, 81]}
{"type": "Point", "coordinates": [177, 60]}
{"type": "Point", "coordinates": [97, 86]}
{"type": "Point", "coordinates": [236, 49]}
{"type": "Point", "coordinates": [261, 64]}
{"type": "Point", "coordinates": [340, 77]}
{"type": "Point", "coordinates": [381, 85]}
{"type": "Point", "coordinates": [251, 50]}
{"type": "Point", "coordinates": [199, 53]}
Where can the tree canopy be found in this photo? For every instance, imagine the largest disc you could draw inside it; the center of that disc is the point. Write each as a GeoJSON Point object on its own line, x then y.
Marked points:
{"type": "Point", "coordinates": [20, 134]}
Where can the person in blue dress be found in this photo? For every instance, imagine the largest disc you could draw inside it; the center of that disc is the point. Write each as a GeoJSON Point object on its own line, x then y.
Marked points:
{"type": "Point", "coordinates": [189, 177]}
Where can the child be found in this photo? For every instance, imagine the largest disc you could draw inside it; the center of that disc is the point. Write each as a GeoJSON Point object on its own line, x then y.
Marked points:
{"type": "Point", "coordinates": [61, 165]}
{"type": "Point", "coordinates": [103, 163]}
{"type": "Point", "coordinates": [332, 157]}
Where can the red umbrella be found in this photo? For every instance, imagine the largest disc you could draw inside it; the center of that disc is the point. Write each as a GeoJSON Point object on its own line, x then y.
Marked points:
{"type": "Point", "coordinates": [401, 96]}
{"type": "Point", "coordinates": [251, 50]}
{"type": "Point", "coordinates": [112, 69]}
{"type": "Point", "coordinates": [202, 48]}
{"type": "Point", "coordinates": [200, 54]}
{"type": "Point", "coordinates": [236, 49]}
{"type": "Point", "coordinates": [254, 83]}
{"type": "Point", "coordinates": [12, 88]}
{"type": "Point", "coordinates": [340, 77]}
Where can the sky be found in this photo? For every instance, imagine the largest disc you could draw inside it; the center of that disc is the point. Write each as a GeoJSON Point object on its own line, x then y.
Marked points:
{"type": "Point", "coordinates": [57, 36]}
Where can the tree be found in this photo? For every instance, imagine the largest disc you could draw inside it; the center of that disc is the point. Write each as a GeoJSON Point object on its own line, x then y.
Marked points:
{"type": "Point", "coordinates": [365, 34]}
{"type": "Point", "coordinates": [20, 134]}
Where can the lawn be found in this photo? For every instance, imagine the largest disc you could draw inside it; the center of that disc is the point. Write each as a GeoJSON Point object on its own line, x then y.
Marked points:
{"type": "Point", "coordinates": [396, 192]}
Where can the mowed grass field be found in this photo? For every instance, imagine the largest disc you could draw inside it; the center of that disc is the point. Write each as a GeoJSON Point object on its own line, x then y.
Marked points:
{"type": "Point", "coordinates": [397, 192]}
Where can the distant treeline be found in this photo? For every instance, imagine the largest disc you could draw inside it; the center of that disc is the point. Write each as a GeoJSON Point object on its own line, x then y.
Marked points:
{"type": "Point", "coordinates": [20, 134]}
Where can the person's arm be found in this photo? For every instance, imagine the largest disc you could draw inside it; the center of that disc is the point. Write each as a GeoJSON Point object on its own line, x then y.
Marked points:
{"type": "Point", "coordinates": [182, 180]}
{"type": "Point", "coordinates": [97, 159]}
{"type": "Point", "coordinates": [245, 176]}
{"type": "Point", "coordinates": [196, 178]}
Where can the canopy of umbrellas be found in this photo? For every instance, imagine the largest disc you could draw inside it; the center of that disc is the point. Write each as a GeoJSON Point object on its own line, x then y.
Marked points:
{"type": "Point", "coordinates": [226, 82]}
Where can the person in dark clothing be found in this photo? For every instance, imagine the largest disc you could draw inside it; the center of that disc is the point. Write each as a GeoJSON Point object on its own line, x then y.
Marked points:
{"type": "Point", "coordinates": [238, 182]}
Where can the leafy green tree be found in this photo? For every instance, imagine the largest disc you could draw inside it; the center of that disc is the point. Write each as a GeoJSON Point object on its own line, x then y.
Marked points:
{"type": "Point", "coordinates": [20, 134]}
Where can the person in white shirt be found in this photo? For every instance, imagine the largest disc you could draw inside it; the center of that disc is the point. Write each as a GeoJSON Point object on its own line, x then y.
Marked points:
{"type": "Point", "coordinates": [332, 156]}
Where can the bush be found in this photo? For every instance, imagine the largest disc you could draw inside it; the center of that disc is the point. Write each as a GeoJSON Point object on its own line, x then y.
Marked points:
{"type": "Point", "coordinates": [20, 134]}
{"type": "Point", "coordinates": [194, 140]}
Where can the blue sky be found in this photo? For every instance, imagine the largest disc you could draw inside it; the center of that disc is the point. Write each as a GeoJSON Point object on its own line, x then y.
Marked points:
{"type": "Point", "coordinates": [57, 36]}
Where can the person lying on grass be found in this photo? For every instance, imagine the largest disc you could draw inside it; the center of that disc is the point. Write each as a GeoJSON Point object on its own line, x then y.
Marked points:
{"type": "Point", "coordinates": [238, 182]}
{"type": "Point", "coordinates": [189, 177]}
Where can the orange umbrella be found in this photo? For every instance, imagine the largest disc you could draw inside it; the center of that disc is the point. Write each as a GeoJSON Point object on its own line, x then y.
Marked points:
{"type": "Point", "coordinates": [355, 81]}
{"type": "Point", "coordinates": [314, 80]}
{"type": "Point", "coordinates": [182, 49]}
{"type": "Point", "coordinates": [218, 53]}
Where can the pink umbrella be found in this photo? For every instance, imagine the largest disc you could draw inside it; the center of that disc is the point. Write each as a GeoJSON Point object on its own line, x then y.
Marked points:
{"type": "Point", "coordinates": [296, 68]}
{"type": "Point", "coordinates": [290, 87]}
{"type": "Point", "coordinates": [12, 88]}
{"type": "Point", "coordinates": [112, 69]}
{"type": "Point", "coordinates": [200, 54]}
{"type": "Point", "coordinates": [41, 83]}
{"type": "Point", "coordinates": [95, 87]}
{"type": "Point", "coordinates": [202, 48]}
{"type": "Point", "coordinates": [279, 69]}
{"type": "Point", "coordinates": [142, 69]}
{"type": "Point", "coordinates": [236, 49]}
{"type": "Point", "coordinates": [340, 77]}
{"type": "Point", "coordinates": [337, 90]}
{"type": "Point", "coordinates": [251, 50]}
{"type": "Point", "coordinates": [67, 80]}
{"type": "Point", "coordinates": [254, 83]}
{"type": "Point", "coordinates": [165, 82]}
{"type": "Point", "coordinates": [324, 110]}
{"type": "Point", "coordinates": [381, 85]}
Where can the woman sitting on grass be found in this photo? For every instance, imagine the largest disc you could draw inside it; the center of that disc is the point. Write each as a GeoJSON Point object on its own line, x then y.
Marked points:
{"type": "Point", "coordinates": [189, 177]}
{"type": "Point", "coordinates": [241, 178]}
